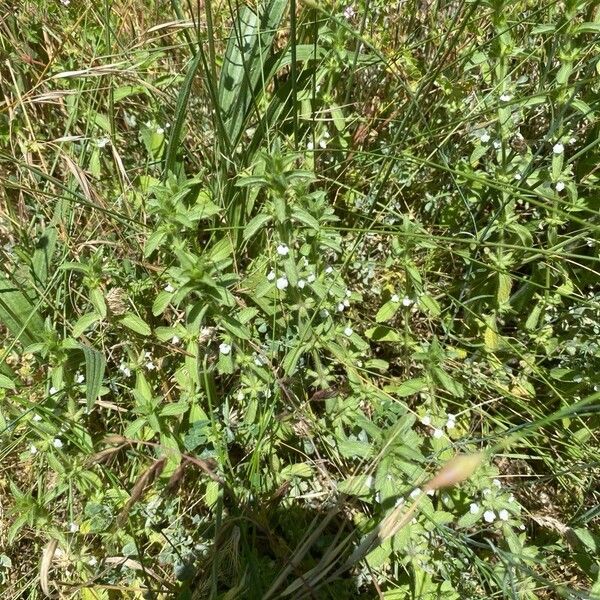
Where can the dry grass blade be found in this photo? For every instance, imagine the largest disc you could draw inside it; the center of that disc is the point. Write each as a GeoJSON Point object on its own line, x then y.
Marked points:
{"type": "Point", "coordinates": [45, 565]}
{"type": "Point", "coordinates": [138, 489]}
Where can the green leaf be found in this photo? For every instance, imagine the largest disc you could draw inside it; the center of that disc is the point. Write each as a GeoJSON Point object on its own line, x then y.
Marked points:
{"type": "Point", "coordinates": [18, 314]}
{"type": "Point", "coordinates": [135, 323]}
{"type": "Point", "coordinates": [42, 256]}
{"type": "Point", "coordinates": [175, 408]}
{"type": "Point", "coordinates": [95, 364]}
{"type": "Point", "coordinates": [429, 305]}
{"type": "Point", "coordinates": [305, 218]}
{"type": "Point", "coordinates": [383, 334]}
{"type": "Point", "coordinates": [161, 302]}
{"type": "Point", "coordinates": [7, 383]}
{"type": "Point", "coordinates": [255, 224]}
{"type": "Point", "coordinates": [408, 387]}
{"type": "Point", "coordinates": [387, 311]}
{"type": "Point", "coordinates": [84, 322]}
{"type": "Point", "coordinates": [235, 327]}
{"type": "Point", "coordinates": [242, 81]}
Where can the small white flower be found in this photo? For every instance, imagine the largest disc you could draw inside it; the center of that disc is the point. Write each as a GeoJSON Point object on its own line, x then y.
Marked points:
{"type": "Point", "coordinates": [125, 370]}
{"type": "Point", "coordinates": [474, 508]}
{"type": "Point", "coordinates": [175, 340]}
{"type": "Point", "coordinates": [37, 418]}
{"type": "Point", "coordinates": [485, 137]}
{"type": "Point", "coordinates": [349, 12]}
{"type": "Point", "coordinates": [497, 144]}
{"type": "Point", "coordinates": [426, 420]}
{"type": "Point", "coordinates": [102, 142]}
{"type": "Point", "coordinates": [224, 348]}
{"type": "Point", "coordinates": [301, 283]}
{"type": "Point", "coordinates": [416, 493]}
{"type": "Point", "coordinates": [73, 527]}
{"type": "Point", "coordinates": [169, 288]}
{"type": "Point", "coordinates": [328, 270]}
{"type": "Point", "coordinates": [57, 443]}
{"type": "Point", "coordinates": [348, 331]}
{"type": "Point", "coordinates": [53, 391]}
{"type": "Point", "coordinates": [323, 313]}
{"type": "Point", "coordinates": [348, 293]}
{"type": "Point", "coordinates": [486, 492]}
{"type": "Point", "coordinates": [406, 301]}
{"type": "Point", "coordinates": [518, 176]}
{"type": "Point", "coordinates": [282, 283]}
{"type": "Point", "coordinates": [310, 146]}
{"type": "Point", "coordinates": [341, 306]}
{"type": "Point", "coordinates": [504, 515]}
{"type": "Point", "coordinates": [282, 250]}
{"type": "Point", "coordinates": [572, 140]}
{"type": "Point", "coordinates": [32, 449]}
{"type": "Point", "coordinates": [92, 561]}
{"type": "Point", "coordinates": [399, 502]}
{"type": "Point", "coordinates": [160, 130]}
{"type": "Point", "coordinates": [560, 186]}
{"type": "Point", "coordinates": [450, 423]}
{"type": "Point", "coordinates": [79, 378]}
{"type": "Point", "coordinates": [437, 433]}
{"type": "Point", "coordinates": [271, 276]}
{"type": "Point", "coordinates": [497, 483]}
{"type": "Point", "coordinates": [506, 97]}
{"type": "Point", "coordinates": [489, 516]}
{"type": "Point", "coordinates": [150, 366]}
{"type": "Point", "coordinates": [558, 148]}
{"type": "Point", "coordinates": [65, 2]}
{"type": "Point", "coordinates": [310, 278]}
{"type": "Point", "coordinates": [346, 302]}
{"type": "Point", "coordinates": [395, 298]}
{"type": "Point", "coordinates": [323, 144]}
{"type": "Point", "coordinates": [511, 498]}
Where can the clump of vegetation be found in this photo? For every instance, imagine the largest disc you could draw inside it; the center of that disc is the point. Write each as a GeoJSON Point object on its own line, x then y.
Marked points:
{"type": "Point", "coordinates": [299, 300]}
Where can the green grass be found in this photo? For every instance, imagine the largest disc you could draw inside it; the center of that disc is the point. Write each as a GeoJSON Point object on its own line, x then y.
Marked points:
{"type": "Point", "coordinates": [267, 268]}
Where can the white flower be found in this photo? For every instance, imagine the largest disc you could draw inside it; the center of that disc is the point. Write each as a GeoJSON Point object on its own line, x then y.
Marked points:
{"type": "Point", "coordinates": [125, 370]}
{"type": "Point", "coordinates": [310, 278]}
{"type": "Point", "coordinates": [323, 313]}
{"type": "Point", "coordinates": [348, 331]}
{"type": "Point", "coordinates": [328, 270]}
{"type": "Point", "coordinates": [32, 449]}
{"type": "Point", "coordinates": [65, 2]}
{"type": "Point", "coordinates": [349, 12]}
{"type": "Point", "coordinates": [450, 423]}
{"type": "Point", "coordinates": [511, 498]}
{"type": "Point", "coordinates": [92, 561]}
{"type": "Point", "coordinates": [150, 366]}
{"type": "Point", "coordinates": [346, 302]}
{"type": "Point", "coordinates": [406, 301]}
{"type": "Point", "coordinates": [341, 306]}
{"type": "Point", "coordinates": [506, 97]}
{"type": "Point", "coordinates": [497, 145]}
{"type": "Point", "coordinates": [57, 443]}
{"type": "Point", "coordinates": [169, 288]}
{"type": "Point", "coordinates": [437, 433]}
{"type": "Point", "coordinates": [282, 283]}
{"type": "Point", "coordinates": [79, 378]}
{"type": "Point", "coordinates": [489, 516]}
{"type": "Point", "coordinates": [37, 418]}
{"type": "Point", "coordinates": [518, 176]}
{"type": "Point", "coordinates": [497, 483]}
{"type": "Point", "coordinates": [416, 493]}
{"type": "Point", "coordinates": [426, 420]}
{"type": "Point", "coordinates": [310, 146]}
{"type": "Point", "coordinates": [487, 492]}
{"type": "Point", "coordinates": [485, 137]}
{"type": "Point", "coordinates": [395, 298]}
{"type": "Point", "coordinates": [323, 144]}
{"type": "Point", "coordinates": [560, 186]}
{"type": "Point", "coordinates": [53, 391]}
{"type": "Point", "coordinates": [175, 340]}
{"type": "Point", "coordinates": [73, 527]}
{"type": "Point", "coordinates": [474, 508]}
{"type": "Point", "coordinates": [224, 348]}
{"type": "Point", "coordinates": [558, 148]}
{"type": "Point", "coordinates": [301, 283]}
{"type": "Point", "coordinates": [160, 130]}
{"type": "Point", "coordinates": [348, 293]}
{"type": "Point", "coordinates": [282, 250]}
{"type": "Point", "coordinates": [271, 276]}
{"type": "Point", "coordinates": [102, 142]}
{"type": "Point", "coordinates": [504, 515]}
